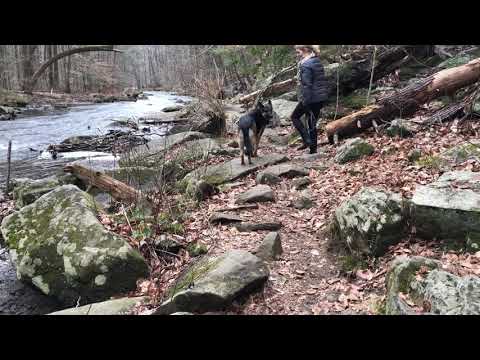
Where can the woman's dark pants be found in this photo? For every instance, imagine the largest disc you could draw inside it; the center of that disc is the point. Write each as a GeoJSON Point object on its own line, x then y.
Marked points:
{"type": "Point", "coordinates": [309, 136]}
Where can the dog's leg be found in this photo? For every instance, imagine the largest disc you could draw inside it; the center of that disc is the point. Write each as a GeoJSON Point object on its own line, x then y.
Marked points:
{"type": "Point", "coordinates": [241, 143]}
{"type": "Point", "coordinates": [259, 136]}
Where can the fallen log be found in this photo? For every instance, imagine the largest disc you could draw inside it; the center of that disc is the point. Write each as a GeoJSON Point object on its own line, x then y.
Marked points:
{"type": "Point", "coordinates": [274, 89]}
{"type": "Point", "coordinates": [239, 207]}
{"type": "Point", "coordinates": [119, 191]}
{"type": "Point", "coordinates": [353, 74]}
{"type": "Point", "coordinates": [406, 101]}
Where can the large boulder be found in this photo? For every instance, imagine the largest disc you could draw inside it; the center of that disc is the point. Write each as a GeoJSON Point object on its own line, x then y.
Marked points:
{"type": "Point", "coordinates": [121, 306]}
{"type": "Point", "coordinates": [58, 245]}
{"type": "Point", "coordinates": [449, 210]}
{"type": "Point", "coordinates": [448, 159]}
{"type": "Point", "coordinates": [353, 149]}
{"type": "Point", "coordinates": [284, 109]}
{"type": "Point", "coordinates": [214, 282]}
{"type": "Point", "coordinates": [419, 282]}
{"type": "Point", "coordinates": [27, 191]}
{"type": "Point", "coordinates": [259, 193]}
{"type": "Point", "coordinates": [370, 221]}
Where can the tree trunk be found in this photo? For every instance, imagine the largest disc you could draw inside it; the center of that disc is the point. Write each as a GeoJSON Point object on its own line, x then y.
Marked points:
{"type": "Point", "coordinates": [406, 101]}
{"type": "Point", "coordinates": [30, 84]}
{"type": "Point", "coordinates": [354, 74]}
{"type": "Point", "coordinates": [119, 191]}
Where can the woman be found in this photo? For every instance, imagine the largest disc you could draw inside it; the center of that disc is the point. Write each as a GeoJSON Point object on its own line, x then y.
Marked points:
{"type": "Point", "coordinates": [312, 94]}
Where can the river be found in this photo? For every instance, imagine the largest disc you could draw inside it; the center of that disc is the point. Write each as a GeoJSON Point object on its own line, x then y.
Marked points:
{"type": "Point", "coordinates": [37, 132]}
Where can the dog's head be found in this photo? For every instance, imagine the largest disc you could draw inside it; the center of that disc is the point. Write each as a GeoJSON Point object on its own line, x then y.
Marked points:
{"type": "Point", "coordinates": [266, 110]}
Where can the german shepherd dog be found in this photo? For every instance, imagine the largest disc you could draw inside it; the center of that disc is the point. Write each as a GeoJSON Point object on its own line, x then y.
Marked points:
{"type": "Point", "coordinates": [250, 129]}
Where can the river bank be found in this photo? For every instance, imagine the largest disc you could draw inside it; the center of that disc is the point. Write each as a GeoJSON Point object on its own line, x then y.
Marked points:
{"type": "Point", "coordinates": [51, 120]}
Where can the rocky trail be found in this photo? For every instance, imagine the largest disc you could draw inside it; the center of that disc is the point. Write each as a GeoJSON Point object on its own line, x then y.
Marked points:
{"type": "Point", "coordinates": [385, 222]}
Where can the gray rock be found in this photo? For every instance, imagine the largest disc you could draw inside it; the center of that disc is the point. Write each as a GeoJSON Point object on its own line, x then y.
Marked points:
{"type": "Point", "coordinates": [301, 183]}
{"type": "Point", "coordinates": [448, 209]}
{"type": "Point", "coordinates": [196, 249]}
{"type": "Point", "coordinates": [271, 247]}
{"type": "Point", "coordinates": [249, 227]}
{"type": "Point", "coordinates": [284, 109]}
{"type": "Point", "coordinates": [224, 218]}
{"type": "Point", "coordinates": [259, 193]}
{"type": "Point", "coordinates": [370, 221]}
{"type": "Point", "coordinates": [157, 146]}
{"type": "Point", "coordinates": [182, 313]}
{"type": "Point", "coordinates": [289, 171]}
{"type": "Point", "coordinates": [58, 245]}
{"type": "Point", "coordinates": [163, 243]}
{"type": "Point", "coordinates": [213, 283]}
{"type": "Point", "coordinates": [200, 190]}
{"type": "Point", "coordinates": [26, 191]}
{"type": "Point", "coordinates": [353, 149]}
{"type": "Point", "coordinates": [172, 108]}
{"type": "Point", "coordinates": [414, 155]}
{"type": "Point", "coordinates": [290, 96]}
{"type": "Point", "coordinates": [303, 201]}
{"type": "Point", "coordinates": [267, 178]}
{"type": "Point", "coordinates": [111, 307]}
{"type": "Point", "coordinates": [401, 128]}
{"type": "Point", "coordinates": [233, 170]}
{"type": "Point", "coordinates": [445, 293]}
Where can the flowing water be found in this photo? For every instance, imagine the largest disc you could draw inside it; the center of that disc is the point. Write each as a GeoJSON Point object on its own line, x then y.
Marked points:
{"type": "Point", "coordinates": [30, 136]}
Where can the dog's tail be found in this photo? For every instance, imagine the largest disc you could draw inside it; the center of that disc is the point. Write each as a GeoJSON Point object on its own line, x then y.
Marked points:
{"type": "Point", "coordinates": [247, 141]}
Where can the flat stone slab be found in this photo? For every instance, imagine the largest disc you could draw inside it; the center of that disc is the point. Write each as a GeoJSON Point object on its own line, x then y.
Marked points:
{"type": "Point", "coordinates": [286, 170]}
{"type": "Point", "coordinates": [111, 307]}
{"type": "Point", "coordinates": [259, 193]}
{"type": "Point", "coordinates": [224, 218]}
{"type": "Point", "coordinates": [233, 169]}
{"type": "Point", "coordinates": [214, 282]}
{"type": "Point", "coordinates": [449, 209]}
{"type": "Point", "coordinates": [249, 227]}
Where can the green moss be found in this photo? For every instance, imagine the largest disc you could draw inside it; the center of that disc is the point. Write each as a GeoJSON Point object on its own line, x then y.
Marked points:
{"type": "Point", "coordinates": [431, 161]}
{"type": "Point", "coordinates": [196, 249]}
{"type": "Point", "coordinates": [193, 274]}
{"type": "Point", "coordinates": [356, 100]}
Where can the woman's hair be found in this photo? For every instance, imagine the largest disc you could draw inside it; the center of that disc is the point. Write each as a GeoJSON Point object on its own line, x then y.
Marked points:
{"type": "Point", "coordinates": [313, 48]}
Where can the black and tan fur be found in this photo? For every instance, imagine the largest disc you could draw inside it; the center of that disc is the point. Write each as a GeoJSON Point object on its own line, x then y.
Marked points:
{"type": "Point", "coordinates": [250, 130]}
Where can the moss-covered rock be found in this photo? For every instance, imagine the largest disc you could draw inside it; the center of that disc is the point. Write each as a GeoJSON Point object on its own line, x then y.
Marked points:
{"type": "Point", "coordinates": [27, 191]}
{"type": "Point", "coordinates": [422, 281]}
{"type": "Point", "coordinates": [228, 171]}
{"type": "Point", "coordinates": [400, 128]}
{"type": "Point", "coordinates": [353, 149]}
{"type": "Point", "coordinates": [399, 279]}
{"type": "Point", "coordinates": [58, 245]}
{"type": "Point", "coordinates": [369, 222]}
{"type": "Point", "coordinates": [449, 209]}
{"type": "Point", "coordinates": [196, 249]}
{"type": "Point", "coordinates": [214, 282]}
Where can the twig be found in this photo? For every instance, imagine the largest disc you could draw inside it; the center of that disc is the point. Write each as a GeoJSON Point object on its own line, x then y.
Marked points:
{"type": "Point", "coordinates": [126, 217]}
{"type": "Point", "coordinates": [371, 75]}
{"type": "Point", "coordinates": [9, 163]}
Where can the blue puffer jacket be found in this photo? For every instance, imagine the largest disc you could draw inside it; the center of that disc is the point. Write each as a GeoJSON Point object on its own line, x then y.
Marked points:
{"type": "Point", "coordinates": [313, 84]}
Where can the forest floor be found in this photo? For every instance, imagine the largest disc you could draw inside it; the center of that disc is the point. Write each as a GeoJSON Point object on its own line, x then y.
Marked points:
{"type": "Point", "coordinates": [313, 275]}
